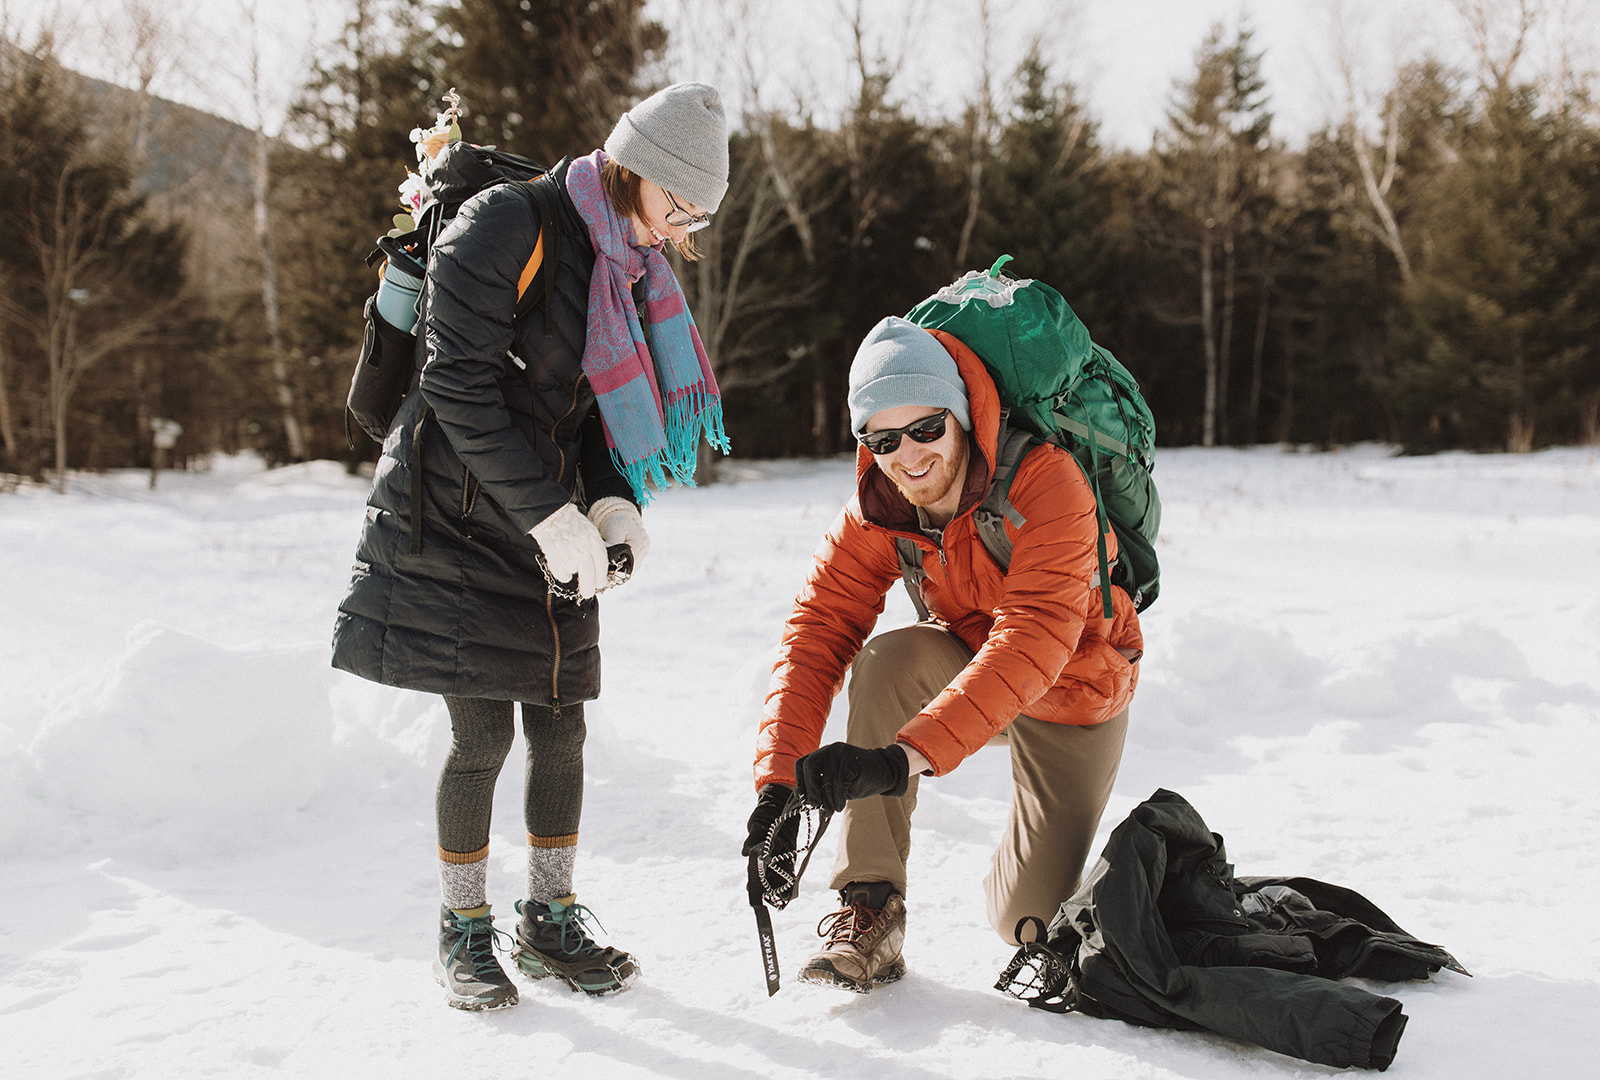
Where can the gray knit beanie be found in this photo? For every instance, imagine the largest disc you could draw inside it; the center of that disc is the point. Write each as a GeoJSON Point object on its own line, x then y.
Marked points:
{"type": "Point", "coordinates": [676, 138]}
{"type": "Point", "coordinates": [900, 363]}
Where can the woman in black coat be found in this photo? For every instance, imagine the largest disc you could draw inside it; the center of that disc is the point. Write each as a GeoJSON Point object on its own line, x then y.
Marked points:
{"type": "Point", "coordinates": [528, 451]}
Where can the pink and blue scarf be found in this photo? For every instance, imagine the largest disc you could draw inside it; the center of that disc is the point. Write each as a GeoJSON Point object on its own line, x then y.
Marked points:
{"type": "Point", "coordinates": [655, 406]}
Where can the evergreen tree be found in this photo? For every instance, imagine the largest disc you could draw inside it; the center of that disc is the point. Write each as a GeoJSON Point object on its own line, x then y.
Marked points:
{"type": "Point", "coordinates": [1358, 328]}
{"type": "Point", "coordinates": [1048, 199]}
{"type": "Point", "coordinates": [336, 185]}
{"type": "Point", "coordinates": [1505, 297]}
{"type": "Point", "coordinates": [894, 232]}
{"type": "Point", "coordinates": [1212, 191]}
{"type": "Point", "coordinates": [545, 79]}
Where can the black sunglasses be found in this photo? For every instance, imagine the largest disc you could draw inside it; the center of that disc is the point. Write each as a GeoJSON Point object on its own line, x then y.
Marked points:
{"type": "Point", "coordinates": [928, 429]}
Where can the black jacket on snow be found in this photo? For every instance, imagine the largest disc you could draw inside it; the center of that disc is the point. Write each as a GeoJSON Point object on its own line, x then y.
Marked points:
{"type": "Point", "coordinates": [1162, 934]}
{"type": "Point", "coordinates": [500, 448]}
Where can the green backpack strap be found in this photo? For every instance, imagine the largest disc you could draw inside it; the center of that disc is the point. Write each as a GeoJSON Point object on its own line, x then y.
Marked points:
{"type": "Point", "coordinates": [1093, 476]}
{"type": "Point", "coordinates": [991, 515]}
{"type": "Point", "coordinates": [996, 508]}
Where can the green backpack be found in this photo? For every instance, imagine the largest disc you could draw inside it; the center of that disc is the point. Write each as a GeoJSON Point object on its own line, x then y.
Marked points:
{"type": "Point", "coordinates": [1058, 386]}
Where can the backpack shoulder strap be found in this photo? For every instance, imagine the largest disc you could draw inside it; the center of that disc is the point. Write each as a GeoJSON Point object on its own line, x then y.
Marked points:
{"type": "Point", "coordinates": [912, 573]}
{"type": "Point", "coordinates": [996, 509]}
{"type": "Point", "coordinates": [546, 250]}
{"type": "Point", "coordinates": [531, 269]}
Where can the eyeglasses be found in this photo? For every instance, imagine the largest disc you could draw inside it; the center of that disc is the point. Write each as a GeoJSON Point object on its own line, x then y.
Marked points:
{"type": "Point", "coordinates": [928, 429]}
{"type": "Point", "coordinates": [678, 216]}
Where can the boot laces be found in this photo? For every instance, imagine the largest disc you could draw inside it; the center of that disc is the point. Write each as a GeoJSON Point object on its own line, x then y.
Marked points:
{"type": "Point", "coordinates": [479, 939]}
{"type": "Point", "coordinates": [848, 925]}
{"type": "Point", "coordinates": [572, 922]}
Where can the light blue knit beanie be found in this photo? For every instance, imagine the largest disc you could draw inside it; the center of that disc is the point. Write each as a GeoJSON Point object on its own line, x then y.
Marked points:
{"type": "Point", "coordinates": [900, 363]}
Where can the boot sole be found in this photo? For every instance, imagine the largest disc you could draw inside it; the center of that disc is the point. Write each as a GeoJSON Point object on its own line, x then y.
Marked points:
{"type": "Point", "coordinates": [534, 966]}
{"type": "Point", "coordinates": [481, 1003]}
{"type": "Point", "coordinates": [823, 973]}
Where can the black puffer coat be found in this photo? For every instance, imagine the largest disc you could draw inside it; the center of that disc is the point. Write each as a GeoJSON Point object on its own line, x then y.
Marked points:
{"type": "Point", "coordinates": [1161, 933]}
{"type": "Point", "coordinates": [501, 448]}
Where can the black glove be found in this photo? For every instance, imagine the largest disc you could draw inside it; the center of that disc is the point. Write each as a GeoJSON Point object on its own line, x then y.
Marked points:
{"type": "Point", "coordinates": [840, 772]}
{"type": "Point", "coordinates": [774, 797]}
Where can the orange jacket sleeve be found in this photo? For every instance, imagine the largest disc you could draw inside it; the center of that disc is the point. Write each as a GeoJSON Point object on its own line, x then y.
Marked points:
{"type": "Point", "coordinates": [835, 611]}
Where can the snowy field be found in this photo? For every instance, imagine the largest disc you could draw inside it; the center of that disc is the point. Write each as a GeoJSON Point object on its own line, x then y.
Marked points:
{"type": "Point", "coordinates": [219, 857]}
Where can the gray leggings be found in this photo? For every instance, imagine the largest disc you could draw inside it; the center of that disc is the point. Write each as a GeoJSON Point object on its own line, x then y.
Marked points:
{"type": "Point", "coordinates": [481, 734]}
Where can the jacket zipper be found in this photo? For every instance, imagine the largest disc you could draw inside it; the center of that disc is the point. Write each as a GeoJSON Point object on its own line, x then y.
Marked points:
{"type": "Point", "coordinates": [549, 597]}
{"type": "Point", "coordinates": [555, 662]}
{"type": "Point", "coordinates": [572, 407]}
{"type": "Point", "coordinates": [469, 500]}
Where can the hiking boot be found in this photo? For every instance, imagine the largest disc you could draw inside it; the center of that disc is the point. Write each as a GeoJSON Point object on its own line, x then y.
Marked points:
{"type": "Point", "coordinates": [466, 966]}
{"type": "Point", "coordinates": [553, 940]}
{"type": "Point", "coordinates": [863, 939]}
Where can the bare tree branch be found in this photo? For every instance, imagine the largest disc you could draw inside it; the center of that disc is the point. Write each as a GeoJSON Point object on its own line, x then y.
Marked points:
{"type": "Point", "coordinates": [982, 125]}
{"type": "Point", "coordinates": [1499, 31]}
{"type": "Point", "coordinates": [288, 407]}
{"type": "Point", "coordinates": [1386, 227]}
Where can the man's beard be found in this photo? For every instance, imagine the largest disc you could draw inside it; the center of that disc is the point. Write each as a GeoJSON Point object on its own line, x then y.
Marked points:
{"type": "Point", "coordinates": [936, 484]}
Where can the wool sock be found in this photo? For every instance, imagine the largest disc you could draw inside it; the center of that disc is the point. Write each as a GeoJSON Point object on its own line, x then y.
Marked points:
{"type": "Point", "coordinates": [464, 878]}
{"type": "Point", "coordinates": [550, 862]}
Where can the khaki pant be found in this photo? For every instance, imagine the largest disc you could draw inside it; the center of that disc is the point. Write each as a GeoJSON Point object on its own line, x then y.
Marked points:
{"type": "Point", "coordinates": [1061, 777]}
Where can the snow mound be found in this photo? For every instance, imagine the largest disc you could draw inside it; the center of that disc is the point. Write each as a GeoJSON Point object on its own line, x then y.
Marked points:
{"type": "Point", "coordinates": [189, 741]}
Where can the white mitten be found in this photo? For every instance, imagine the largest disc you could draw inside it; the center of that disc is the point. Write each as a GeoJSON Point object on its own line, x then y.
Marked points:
{"type": "Point", "coordinates": [619, 523]}
{"type": "Point", "coordinates": [572, 548]}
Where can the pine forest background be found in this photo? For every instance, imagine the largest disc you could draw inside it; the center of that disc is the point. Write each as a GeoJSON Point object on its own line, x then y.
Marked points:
{"type": "Point", "coordinates": [1424, 272]}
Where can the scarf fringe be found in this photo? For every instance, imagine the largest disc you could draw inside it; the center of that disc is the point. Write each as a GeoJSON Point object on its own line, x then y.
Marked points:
{"type": "Point", "coordinates": [690, 415]}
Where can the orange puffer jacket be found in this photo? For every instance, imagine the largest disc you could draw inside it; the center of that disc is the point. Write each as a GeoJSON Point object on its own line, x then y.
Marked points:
{"type": "Point", "coordinates": [1042, 646]}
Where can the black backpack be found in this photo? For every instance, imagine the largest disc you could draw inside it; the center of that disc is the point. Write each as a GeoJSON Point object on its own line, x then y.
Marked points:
{"type": "Point", "coordinates": [387, 368]}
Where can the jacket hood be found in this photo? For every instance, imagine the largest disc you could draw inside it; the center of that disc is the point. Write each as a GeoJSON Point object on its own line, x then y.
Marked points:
{"type": "Point", "coordinates": [881, 502]}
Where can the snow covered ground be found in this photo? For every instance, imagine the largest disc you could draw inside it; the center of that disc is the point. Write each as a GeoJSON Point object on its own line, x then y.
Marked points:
{"type": "Point", "coordinates": [218, 852]}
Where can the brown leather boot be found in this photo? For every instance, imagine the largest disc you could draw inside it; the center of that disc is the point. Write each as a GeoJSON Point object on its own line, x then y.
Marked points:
{"type": "Point", "coordinates": [864, 939]}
